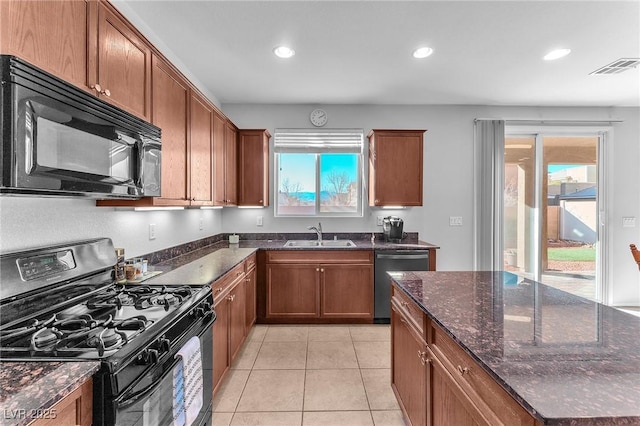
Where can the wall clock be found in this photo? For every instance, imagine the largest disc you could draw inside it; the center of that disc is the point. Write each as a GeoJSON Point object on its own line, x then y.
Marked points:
{"type": "Point", "coordinates": [318, 117]}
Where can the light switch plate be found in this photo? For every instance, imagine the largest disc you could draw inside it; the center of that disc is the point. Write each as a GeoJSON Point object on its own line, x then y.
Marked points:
{"type": "Point", "coordinates": [259, 220]}
{"type": "Point", "coordinates": [379, 220]}
{"type": "Point", "coordinates": [152, 231]}
{"type": "Point", "coordinates": [455, 220]}
{"type": "Point", "coordinates": [628, 222]}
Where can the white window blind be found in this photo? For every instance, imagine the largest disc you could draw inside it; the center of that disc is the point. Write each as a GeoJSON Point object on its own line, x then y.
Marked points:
{"type": "Point", "coordinates": [318, 140]}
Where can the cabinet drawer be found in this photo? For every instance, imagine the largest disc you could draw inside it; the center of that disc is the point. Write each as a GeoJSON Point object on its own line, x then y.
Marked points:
{"type": "Point", "coordinates": [250, 263]}
{"type": "Point", "coordinates": [223, 284]}
{"type": "Point", "coordinates": [490, 397]}
{"type": "Point", "coordinates": [320, 256]}
{"type": "Point", "coordinates": [410, 310]}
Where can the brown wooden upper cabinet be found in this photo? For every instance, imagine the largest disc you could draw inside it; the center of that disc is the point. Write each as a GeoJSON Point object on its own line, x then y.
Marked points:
{"type": "Point", "coordinates": [395, 167]}
{"type": "Point", "coordinates": [122, 71]}
{"type": "Point", "coordinates": [50, 35]}
{"type": "Point", "coordinates": [201, 152]}
{"type": "Point", "coordinates": [225, 168]}
{"type": "Point", "coordinates": [253, 167]}
{"type": "Point", "coordinates": [86, 43]}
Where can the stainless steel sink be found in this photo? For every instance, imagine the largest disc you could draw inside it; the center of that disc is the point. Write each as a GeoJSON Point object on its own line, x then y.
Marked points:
{"type": "Point", "coordinates": [323, 243]}
{"type": "Point", "coordinates": [337, 243]}
{"type": "Point", "coordinates": [301, 243]}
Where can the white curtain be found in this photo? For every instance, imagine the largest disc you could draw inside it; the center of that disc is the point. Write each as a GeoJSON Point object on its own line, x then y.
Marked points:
{"type": "Point", "coordinates": [488, 194]}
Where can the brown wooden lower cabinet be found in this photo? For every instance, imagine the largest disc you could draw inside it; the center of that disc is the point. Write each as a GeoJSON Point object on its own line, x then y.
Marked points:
{"type": "Point", "coordinates": [408, 368]}
{"type": "Point", "coordinates": [220, 342]}
{"type": "Point", "coordinates": [436, 382]}
{"type": "Point", "coordinates": [229, 329]}
{"type": "Point", "coordinates": [74, 409]}
{"type": "Point", "coordinates": [317, 286]}
{"type": "Point", "coordinates": [250, 302]}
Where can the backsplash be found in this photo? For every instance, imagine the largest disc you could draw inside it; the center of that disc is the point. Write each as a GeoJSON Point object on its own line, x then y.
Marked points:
{"type": "Point", "coordinates": [183, 249]}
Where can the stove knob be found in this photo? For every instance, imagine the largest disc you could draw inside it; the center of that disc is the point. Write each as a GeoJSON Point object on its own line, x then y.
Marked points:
{"type": "Point", "coordinates": [165, 344]}
{"type": "Point", "coordinates": [152, 356]}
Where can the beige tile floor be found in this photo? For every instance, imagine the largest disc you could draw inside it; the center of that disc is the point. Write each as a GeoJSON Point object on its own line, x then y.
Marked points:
{"type": "Point", "coordinates": [333, 375]}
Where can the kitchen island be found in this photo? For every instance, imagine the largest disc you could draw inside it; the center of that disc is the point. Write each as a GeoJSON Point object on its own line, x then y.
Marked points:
{"type": "Point", "coordinates": [511, 348]}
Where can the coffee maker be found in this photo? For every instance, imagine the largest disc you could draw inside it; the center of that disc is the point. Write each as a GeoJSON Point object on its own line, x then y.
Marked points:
{"type": "Point", "coordinates": [392, 228]}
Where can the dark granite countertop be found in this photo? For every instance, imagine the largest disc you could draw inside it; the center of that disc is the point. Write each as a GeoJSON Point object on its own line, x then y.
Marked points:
{"type": "Point", "coordinates": [26, 387]}
{"type": "Point", "coordinates": [207, 264]}
{"type": "Point", "coordinates": [566, 359]}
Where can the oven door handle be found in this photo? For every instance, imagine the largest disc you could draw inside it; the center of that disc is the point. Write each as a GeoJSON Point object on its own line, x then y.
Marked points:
{"type": "Point", "coordinates": [132, 398]}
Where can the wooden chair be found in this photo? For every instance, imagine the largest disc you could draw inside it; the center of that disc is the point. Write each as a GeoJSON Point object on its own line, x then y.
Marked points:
{"type": "Point", "coordinates": [636, 254]}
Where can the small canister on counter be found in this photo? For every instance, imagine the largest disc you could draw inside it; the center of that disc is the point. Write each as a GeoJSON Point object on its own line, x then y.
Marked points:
{"type": "Point", "coordinates": [145, 266]}
{"type": "Point", "coordinates": [119, 268]}
{"type": "Point", "coordinates": [137, 263]}
{"type": "Point", "coordinates": [130, 272]}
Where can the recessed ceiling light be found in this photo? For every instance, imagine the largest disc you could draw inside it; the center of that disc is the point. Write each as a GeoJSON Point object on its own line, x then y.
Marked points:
{"type": "Point", "coordinates": [422, 52]}
{"type": "Point", "coordinates": [284, 52]}
{"type": "Point", "coordinates": [556, 54]}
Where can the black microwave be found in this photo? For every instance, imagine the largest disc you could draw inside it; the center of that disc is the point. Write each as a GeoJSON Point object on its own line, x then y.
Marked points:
{"type": "Point", "coordinates": [58, 140]}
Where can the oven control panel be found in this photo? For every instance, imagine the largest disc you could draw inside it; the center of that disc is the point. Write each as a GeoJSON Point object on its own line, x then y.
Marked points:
{"type": "Point", "coordinates": [43, 265]}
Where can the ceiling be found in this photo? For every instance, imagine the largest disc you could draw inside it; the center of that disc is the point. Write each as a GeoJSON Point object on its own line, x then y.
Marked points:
{"type": "Point", "coordinates": [359, 52]}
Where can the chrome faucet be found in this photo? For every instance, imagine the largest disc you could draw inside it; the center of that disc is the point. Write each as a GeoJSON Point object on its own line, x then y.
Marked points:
{"type": "Point", "coordinates": [318, 230]}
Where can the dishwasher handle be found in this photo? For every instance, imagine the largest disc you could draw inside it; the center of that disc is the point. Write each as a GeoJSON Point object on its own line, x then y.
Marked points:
{"type": "Point", "coordinates": [402, 256]}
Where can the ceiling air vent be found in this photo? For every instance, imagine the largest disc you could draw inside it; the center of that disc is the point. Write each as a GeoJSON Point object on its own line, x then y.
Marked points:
{"type": "Point", "coordinates": [617, 66]}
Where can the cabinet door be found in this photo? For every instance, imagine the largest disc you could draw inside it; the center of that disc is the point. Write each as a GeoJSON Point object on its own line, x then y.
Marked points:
{"type": "Point", "coordinates": [201, 152]}
{"type": "Point", "coordinates": [408, 370]}
{"type": "Point", "coordinates": [346, 291]}
{"type": "Point", "coordinates": [219, 130]}
{"type": "Point", "coordinates": [237, 318]}
{"type": "Point", "coordinates": [293, 291]}
{"type": "Point", "coordinates": [395, 167]}
{"type": "Point", "coordinates": [51, 35]}
{"type": "Point", "coordinates": [449, 404]}
{"type": "Point", "coordinates": [231, 165]}
{"type": "Point", "coordinates": [123, 65]}
{"type": "Point", "coordinates": [220, 341]}
{"type": "Point", "coordinates": [75, 409]}
{"type": "Point", "coordinates": [250, 302]}
{"type": "Point", "coordinates": [253, 168]}
{"type": "Point", "coordinates": [170, 102]}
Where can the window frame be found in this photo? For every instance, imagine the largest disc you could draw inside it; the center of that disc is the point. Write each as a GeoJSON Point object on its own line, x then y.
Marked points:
{"type": "Point", "coordinates": [318, 182]}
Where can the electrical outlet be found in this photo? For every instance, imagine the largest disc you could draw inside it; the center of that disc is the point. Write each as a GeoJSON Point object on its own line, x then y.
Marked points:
{"type": "Point", "coordinates": [628, 222]}
{"type": "Point", "coordinates": [380, 219]}
{"type": "Point", "coordinates": [201, 225]}
{"type": "Point", "coordinates": [259, 220]}
{"type": "Point", "coordinates": [455, 220]}
{"type": "Point", "coordinates": [152, 231]}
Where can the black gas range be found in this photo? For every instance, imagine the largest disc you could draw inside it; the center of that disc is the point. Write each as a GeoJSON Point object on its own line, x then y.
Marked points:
{"type": "Point", "coordinates": [62, 303]}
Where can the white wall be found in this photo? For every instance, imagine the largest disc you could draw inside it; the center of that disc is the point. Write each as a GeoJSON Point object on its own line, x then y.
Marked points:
{"type": "Point", "coordinates": [448, 176]}
{"type": "Point", "coordinates": [448, 190]}
{"type": "Point", "coordinates": [31, 222]}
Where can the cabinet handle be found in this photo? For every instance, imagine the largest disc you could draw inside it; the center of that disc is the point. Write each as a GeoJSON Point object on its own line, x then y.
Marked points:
{"type": "Point", "coordinates": [218, 290]}
{"type": "Point", "coordinates": [317, 269]}
{"type": "Point", "coordinates": [405, 304]}
{"type": "Point", "coordinates": [239, 273]}
{"type": "Point", "coordinates": [376, 201]}
{"type": "Point", "coordinates": [231, 297]}
{"type": "Point", "coordinates": [260, 201]}
{"type": "Point", "coordinates": [101, 91]}
{"type": "Point", "coordinates": [321, 269]}
{"type": "Point", "coordinates": [423, 358]}
{"type": "Point", "coordinates": [463, 370]}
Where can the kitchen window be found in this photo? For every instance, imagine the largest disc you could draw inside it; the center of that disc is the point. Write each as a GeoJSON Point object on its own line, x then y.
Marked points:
{"type": "Point", "coordinates": [318, 172]}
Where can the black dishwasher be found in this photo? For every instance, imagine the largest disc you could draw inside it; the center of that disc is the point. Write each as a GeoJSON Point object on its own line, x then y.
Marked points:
{"type": "Point", "coordinates": [393, 260]}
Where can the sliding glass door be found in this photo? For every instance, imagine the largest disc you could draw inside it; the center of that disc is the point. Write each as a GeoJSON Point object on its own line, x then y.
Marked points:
{"type": "Point", "coordinates": [551, 225]}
